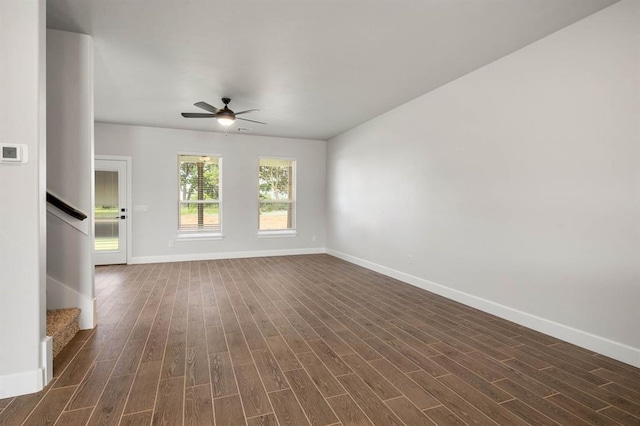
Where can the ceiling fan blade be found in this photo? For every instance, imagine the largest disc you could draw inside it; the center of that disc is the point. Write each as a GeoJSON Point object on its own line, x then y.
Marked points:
{"type": "Point", "coordinates": [197, 115]}
{"type": "Point", "coordinates": [246, 111]}
{"type": "Point", "coordinates": [205, 106]}
{"type": "Point", "coordinates": [253, 121]}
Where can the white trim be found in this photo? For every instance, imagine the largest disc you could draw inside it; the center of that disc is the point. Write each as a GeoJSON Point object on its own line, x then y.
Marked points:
{"type": "Point", "coordinates": [80, 225]}
{"type": "Point", "coordinates": [226, 255]}
{"type": "Point", "coordinates": [278, 233]}
{"type": "Point", "coordinates": [602, 345]}
{"type": "Point", "coordinates": [21, 383]}
{"type": "Point", "coordinates": [199, 154]}
{"type": "Point", "coordinates": [95, 314]}
{"type": "Point", "coordinates": [60, 296]}
{"type": "Point", "coordinates": [129, 212]}
{"type": "Point", "coordinates": [197, 236]}
{"type": "Point", "coordinates": [46, 352]}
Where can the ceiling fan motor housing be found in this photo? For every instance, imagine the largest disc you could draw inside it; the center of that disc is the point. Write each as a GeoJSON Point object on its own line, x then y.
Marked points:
{"type": "Point", "coordinates": [226, 113]}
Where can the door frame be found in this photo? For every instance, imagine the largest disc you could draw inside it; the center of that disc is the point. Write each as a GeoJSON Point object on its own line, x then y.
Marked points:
{"type": "Point", "coordinates": [129, 212]}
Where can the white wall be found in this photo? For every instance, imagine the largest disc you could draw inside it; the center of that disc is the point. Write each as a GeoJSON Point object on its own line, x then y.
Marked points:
{"type": "Point", "coordinates": [515, 188]}
{"type": "Point", "coordinates": [22, 191]}
{"type": "Point", "coordinates": [155, 185]}
{"type": "Point", "coordinates": [70, 281]}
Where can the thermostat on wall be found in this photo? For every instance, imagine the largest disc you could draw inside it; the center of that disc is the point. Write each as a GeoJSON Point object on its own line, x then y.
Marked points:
{"type": "Point", "coordinates": [13, 153]}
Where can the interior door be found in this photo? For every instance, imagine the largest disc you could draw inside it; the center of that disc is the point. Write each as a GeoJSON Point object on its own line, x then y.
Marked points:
{"type": "Point", "coordinates": [110, 212]}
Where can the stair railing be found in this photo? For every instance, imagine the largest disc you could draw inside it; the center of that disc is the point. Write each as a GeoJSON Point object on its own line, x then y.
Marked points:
{"type": "Point", "coordinates": [58, 203]}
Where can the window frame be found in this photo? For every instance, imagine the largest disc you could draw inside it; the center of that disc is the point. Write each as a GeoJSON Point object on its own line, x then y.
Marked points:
{"type": "Point", "coordinates": [184, 235]}
{"type": "Point", "coordinates": [289, 232]}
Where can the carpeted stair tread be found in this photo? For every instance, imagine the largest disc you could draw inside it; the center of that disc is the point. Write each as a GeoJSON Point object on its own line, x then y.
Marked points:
{"type": "Point", "coordinates": [62, 325]}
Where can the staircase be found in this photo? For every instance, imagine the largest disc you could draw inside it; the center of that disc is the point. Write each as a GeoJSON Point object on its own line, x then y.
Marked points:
{"type": "Point", "coordinates": [62, 325]}
{"type": "Point", "coordinates": [70, 281]}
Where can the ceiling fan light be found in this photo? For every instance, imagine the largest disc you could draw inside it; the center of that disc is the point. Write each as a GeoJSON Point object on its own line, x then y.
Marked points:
{"type": "Point", "coordinates": [225, 121]}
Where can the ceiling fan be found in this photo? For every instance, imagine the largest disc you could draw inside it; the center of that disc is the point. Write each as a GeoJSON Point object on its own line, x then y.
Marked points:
{"type": "Point", "coordinates": [224, 115]}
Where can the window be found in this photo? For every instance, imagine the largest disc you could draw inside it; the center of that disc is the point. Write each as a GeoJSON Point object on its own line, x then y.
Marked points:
{"type": "Point", "coordinates": [276, 179]}
{"type": "Point", "coordinates": [199, 187]}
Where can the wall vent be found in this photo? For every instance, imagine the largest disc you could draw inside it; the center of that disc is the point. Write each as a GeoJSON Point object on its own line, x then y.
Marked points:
{"type": "Point", "coordinates": [244, 129]}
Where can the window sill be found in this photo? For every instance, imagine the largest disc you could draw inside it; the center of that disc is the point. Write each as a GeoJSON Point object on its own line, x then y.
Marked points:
{"type": "Point", "coordinates": [276, 234]}
{"type": "Point", "coordinates": [199, 237]}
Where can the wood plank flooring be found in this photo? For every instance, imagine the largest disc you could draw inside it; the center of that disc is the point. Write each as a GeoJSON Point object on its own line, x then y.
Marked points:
{"type": "Point", "coordinates": [312, 340]}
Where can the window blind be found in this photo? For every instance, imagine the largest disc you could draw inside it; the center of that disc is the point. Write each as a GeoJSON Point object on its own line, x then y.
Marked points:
{"type": "Point", "coordinates": [199, 193]}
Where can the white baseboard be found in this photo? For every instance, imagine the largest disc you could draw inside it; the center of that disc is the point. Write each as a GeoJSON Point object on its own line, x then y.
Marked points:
{"type": "Point", "coordinates": [226, 255]}
{"type": "Point", "coordinates": [21, 383]}
{"type": "Point", "coordinates": [610, 348]}
{"type": "Point", "coordinates": [60, 296]}
{"type": "Point", "coordinates": [46, 352]}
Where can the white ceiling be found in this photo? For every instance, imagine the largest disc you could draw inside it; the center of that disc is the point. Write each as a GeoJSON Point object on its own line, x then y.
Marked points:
{"type": "Point", "coordinates": [314, 68]}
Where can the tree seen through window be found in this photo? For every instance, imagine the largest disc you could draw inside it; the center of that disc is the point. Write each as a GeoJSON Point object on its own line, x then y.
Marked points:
{"type": "Point", "coordinates": [276, 180]}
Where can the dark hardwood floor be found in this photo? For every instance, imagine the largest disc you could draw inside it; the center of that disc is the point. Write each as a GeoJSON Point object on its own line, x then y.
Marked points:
{"type": "Point", "coordinates": [312, 340]}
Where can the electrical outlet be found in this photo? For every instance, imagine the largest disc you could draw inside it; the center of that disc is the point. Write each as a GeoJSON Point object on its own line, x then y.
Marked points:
{"type": "Point", "coordinates": [170, 243]}
{"type": "Point", "coordinates": [313, 238]}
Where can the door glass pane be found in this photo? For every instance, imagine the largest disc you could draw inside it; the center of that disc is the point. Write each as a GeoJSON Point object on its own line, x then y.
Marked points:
{"type": "Point", "coordinates": [107, 211]}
